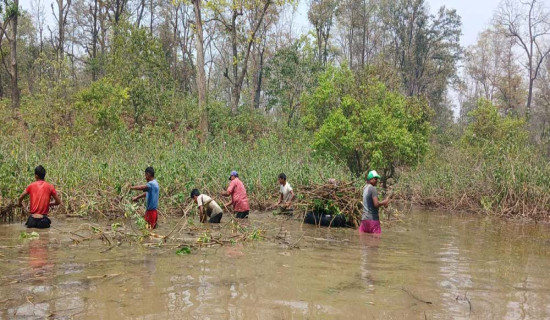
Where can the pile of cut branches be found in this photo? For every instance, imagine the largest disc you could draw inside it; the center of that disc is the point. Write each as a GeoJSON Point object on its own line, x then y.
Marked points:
{"type": "Point", "coordinates": [9, 212]}
{"type": "Point", "coordinates": [334, 198]}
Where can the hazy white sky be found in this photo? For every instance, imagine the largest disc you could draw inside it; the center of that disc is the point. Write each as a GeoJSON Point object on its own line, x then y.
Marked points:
{"type": "Point", "coordinates": [476, 14]}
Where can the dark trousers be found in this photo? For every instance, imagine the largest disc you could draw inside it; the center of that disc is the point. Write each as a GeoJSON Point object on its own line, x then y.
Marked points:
{"type": "Point", "coordinates": [216, 218]}
{"type": "Point", "coordinates": [40, 223]}
{"type": "Point", "coordinates": [242, 215]}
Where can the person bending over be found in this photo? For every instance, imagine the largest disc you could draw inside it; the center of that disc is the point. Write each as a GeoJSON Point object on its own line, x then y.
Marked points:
{"type": "Point", "coordinates": [239, 199]}
{"type": "Point", "coordinates": [207, 207]}
{"type": "Point", "coordinates": [286, 195]}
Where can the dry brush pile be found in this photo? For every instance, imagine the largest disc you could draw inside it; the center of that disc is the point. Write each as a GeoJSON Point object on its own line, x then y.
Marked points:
{"type": "Point", "coordinates": [334, 198]}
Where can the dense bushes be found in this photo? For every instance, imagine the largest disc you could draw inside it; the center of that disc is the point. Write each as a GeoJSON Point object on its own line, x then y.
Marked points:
{"type": "Point", "coordinates": [492, 168]}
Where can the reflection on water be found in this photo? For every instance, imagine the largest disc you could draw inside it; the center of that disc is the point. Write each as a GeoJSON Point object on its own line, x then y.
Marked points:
{"type": "Point", "coordinates": [432, 265]}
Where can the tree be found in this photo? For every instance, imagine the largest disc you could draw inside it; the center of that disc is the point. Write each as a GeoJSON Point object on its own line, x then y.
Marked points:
{"type": "Point", "coordinates": [493, 134]}
{"type": "Point", "coordinates": [541, 111]}
{"type": "Point", "coordinates": [425, 47]}
{"type": "Point", "coordinates": [8, 31]}
{"type": "Point", "coordinates": [370, 126]}
{"type": "Point", "coordinates": [63, 8]}
{"type": "Point", "coordinates": [39, 20]}
{"type": "Point", "coordinates": [292, 70]}
{"type": "Point", "coordinates": [491, 72]}
{"type": "Point", "coordinates": [321, 15]}
{"type": "Point", "coordinates": [138, 63]}
{"type": "Point", "coordinates": [115, 10]}
{"type": "Point", "coordinates": [86, 15]}
{"type": "Point", "coordinates": [528, 23]}
{"type": "Point", "coordinates": [361, 31]}
{"type": "Point", "coordinates": [242, 36]}
{"type": "Point", "coordinates": [201, 75]}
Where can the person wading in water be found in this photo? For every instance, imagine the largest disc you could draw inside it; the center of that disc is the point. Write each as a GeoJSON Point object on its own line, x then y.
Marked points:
{"type": "Point", "coordinates": [41, 193]}
{"type": "Point", "coordinates": [370, 221]}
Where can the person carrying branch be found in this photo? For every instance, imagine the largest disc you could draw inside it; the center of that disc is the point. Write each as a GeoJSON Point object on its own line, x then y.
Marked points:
{"type": "Point", "coordinates": [286, 195]}
{"type": "Point", "coordinates": [239, 199]}
{"type": "Point", "coordinates": [370, 221]}
{"type": "Point", "coordinates": [151, 195]}
{"type": "Point", "coordinates": [207, 207]}
{"type": "Point", "coordinates": [40, 193]}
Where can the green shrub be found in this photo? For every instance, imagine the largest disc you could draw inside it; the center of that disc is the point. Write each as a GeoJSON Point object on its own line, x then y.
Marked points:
{"type": "Point", "coordinates": [367, 125]}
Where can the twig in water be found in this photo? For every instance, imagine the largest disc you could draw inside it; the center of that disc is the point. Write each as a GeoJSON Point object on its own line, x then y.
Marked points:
{"type": "Point", "coordinates": [467, 300]}
{"type": "Point", "coordinates": [296, 243]}
{"type": "Point", "coordinates": [415, 297]}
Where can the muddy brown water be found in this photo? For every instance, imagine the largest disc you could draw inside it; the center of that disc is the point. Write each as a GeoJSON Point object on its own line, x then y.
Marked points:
{"type": "Point", "coordinates": [432, 265]}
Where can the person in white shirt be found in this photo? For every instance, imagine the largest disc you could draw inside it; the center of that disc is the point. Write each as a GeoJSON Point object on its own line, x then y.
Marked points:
{"type": "Point", "coordinates": [207, 207]}
{"type": "Point", "coordinates": [286, 195]}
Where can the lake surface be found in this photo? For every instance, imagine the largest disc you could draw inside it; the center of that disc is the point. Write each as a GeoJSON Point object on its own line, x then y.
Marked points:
{"type": "Point", "coordinates": [430, 265]}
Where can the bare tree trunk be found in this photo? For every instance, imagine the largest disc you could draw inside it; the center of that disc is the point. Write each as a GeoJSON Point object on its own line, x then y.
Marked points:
{"type": "Point", "coordinates": [175, 45]}
{"type": "Point", "coordinates": [364, 46]}
{"type": "Point", "coordinates": [258, 90]}
{"type": "Point", "coordinates": [15, 93]}
{"type": "Point", "coordinates": [152, 15]}
{"type": "Point", "coordinates": [236, 88]}
{"type": "Point", "coordinates": [1, 87]}
{"type": "Point", "coordinates": [351, 34]}
{"type": "Point", "coordinates": [529, 99]}
{"type": "Point", "coordinates": [61, 30]}
{"type": "Point", "coordinates": [140, 13]}
{"type": "Point", "coordinates": [95, 32]}
{"type": "Point", "coordinates": [201, 75]}
{"type": "Point", "coordinates": [62, 14]}
{"type": "Point", "coordinates": [529, 36]}
{"type": "Point", "coordinates": [238, 77]}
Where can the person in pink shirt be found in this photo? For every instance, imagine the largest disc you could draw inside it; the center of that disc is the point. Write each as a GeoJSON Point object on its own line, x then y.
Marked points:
{"type": "Point", "coordinates": [239, 199]}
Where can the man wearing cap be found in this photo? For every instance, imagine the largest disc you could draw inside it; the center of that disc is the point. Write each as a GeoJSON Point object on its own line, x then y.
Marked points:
{"type": "Point", "coordinates": [239, 199]}
{"type": "Point", "coordinates": [370, 221]}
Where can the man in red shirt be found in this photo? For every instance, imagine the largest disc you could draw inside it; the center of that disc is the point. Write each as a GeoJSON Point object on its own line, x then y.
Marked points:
{"type": "Point", "coordinates": [40, 192]}
{"type": "Point", "coordinates": [239, 199]}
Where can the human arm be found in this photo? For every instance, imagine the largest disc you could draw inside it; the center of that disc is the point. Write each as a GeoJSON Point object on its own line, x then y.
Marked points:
{"type": "Point", "coordinates": [229, 190]}
{"type": "Point", "coordinates": [289, 203]}
{"type": "Point", "coordinates": [139, 188]}
{"type": "Point", "coordinates": [21, 197]}
{"type": "Point", "coordinates": [202, 216]}
{"type": "Point", "coordinates": [56, 200]}
{"type": "Point", "coordinates": [136, 198]}
{"type": "Point", "coordinates": [280, 199]}
{"type": "Point", "coordinates": [143, 188]}
{"type": "Point", "coordinates": [372, 192]}
{"type": "Point", "coordinates": [379, 204]}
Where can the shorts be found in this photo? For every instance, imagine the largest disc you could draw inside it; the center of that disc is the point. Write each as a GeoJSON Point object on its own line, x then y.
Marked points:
{"type": "Point", "coordinates": [286, 211]}
{"type": "Point", "coordinates": [151, 218]}
{"type": "Point", "coordinates": [370, 226]}
{"type": "Point", "coordinates": [242, 215]}
{"type": "Point", "coordinates": [216, 218]}
{"type": "Point", "coordinates": [40, 223]}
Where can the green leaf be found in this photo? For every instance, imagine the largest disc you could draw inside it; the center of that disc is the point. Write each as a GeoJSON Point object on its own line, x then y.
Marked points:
{"type": "Point", "coordinates": [31, 235]}
{"type": "Point", "coordinates": [183, 251]}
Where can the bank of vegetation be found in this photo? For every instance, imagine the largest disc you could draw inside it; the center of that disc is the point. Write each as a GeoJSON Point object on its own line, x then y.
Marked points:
{"type": "Point", "coordinates": [199, 88]}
